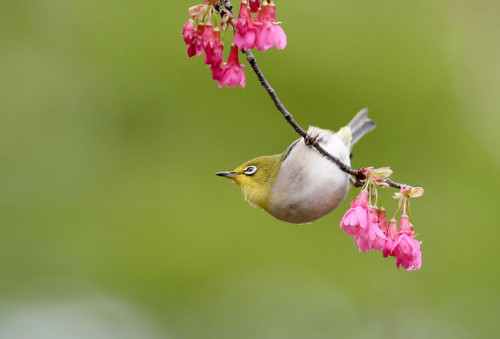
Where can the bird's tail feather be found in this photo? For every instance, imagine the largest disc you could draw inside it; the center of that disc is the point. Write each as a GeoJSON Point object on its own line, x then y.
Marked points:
{"type": "Point", "coordinates": [360, 125]}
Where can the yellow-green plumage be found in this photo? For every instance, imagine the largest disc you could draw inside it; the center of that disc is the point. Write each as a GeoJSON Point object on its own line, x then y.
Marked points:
{"type": "Point", "coordinates": [257, 188]}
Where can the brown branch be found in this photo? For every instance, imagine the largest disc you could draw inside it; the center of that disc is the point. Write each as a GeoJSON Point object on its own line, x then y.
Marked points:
{"type": "Point", "coordinates": [396, 184]}
{"type": "Point", "coordinates": [228, 6]}
{"type": "Point", "coordinates": [356, 173]}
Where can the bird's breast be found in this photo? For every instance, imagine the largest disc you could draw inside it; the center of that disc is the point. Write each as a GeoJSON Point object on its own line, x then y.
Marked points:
{"type": "Point", "coordinates": [308, 186]}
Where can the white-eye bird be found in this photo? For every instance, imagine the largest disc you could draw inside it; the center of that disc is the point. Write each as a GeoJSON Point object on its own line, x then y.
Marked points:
{"type": "Point", "coordinates": [301, 185]}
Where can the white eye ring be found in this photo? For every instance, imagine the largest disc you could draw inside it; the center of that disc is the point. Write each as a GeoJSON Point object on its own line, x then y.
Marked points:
{"type": "Point", "coordinates": [250, 170]}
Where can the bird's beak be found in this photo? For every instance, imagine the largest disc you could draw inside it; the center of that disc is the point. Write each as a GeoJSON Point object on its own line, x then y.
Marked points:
{"type": "Point", "coordinates": [230, 175]}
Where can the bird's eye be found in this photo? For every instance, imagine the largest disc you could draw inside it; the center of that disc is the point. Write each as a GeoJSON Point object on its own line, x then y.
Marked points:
{"type": "Point", "coordinates": [250, 170]}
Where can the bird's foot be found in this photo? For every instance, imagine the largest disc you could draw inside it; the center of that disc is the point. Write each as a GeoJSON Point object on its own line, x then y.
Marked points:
{"type": "Point", "coordinates": [311, 138]}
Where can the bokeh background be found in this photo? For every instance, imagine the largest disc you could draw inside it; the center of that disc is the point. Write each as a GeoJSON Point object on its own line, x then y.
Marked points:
{"type": "Point", "coordinates": [112, 224]}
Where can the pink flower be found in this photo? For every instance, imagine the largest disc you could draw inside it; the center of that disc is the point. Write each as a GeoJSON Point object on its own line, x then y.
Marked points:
{"type": "Point", "coordinates": [213, 56]}
{"type": "Point", "coordinates": [404, 224]}
{"type": "Point", "coordinates": [198, 39]}
{"type": "Point", "coordinates": [382, 220]}
{"type": "Point", "coordinates": [244, 37]}
{"type": "Point", "coordinates": [268, 32]}
{"type": "Point", "coordinates": [254, 5]}
{"type": "Point", "coordinates": [212, 45]}
{"type": "Point", "coordinates": [370, 237]}
{"type": "Point", "coordinates": [188, 31]}
{"type": "Point", "coordinates": [207, 38]}
{"type": "Point", "coordinates": [232, 74]}
{"type": "Point", "coordinates": [405, 247]}
{"type": "Point", "coordinates": [407, 252]}
{"type": "Point", "coordinates": [392, 234]}
{"type": "Point", "coordinates": [357, 216]}
{"type": "Point", "coordinates": [379, 242]}
{"type": "Point", "coordinates": [217, 71]}
{"type": "Point", "coordinates": [379, 232]}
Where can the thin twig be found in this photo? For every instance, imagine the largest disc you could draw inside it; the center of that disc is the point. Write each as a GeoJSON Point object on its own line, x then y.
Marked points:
{"type": "Point", "coordinates": [396, 184]}
{"type": "Point", "coordinates": [356, 173]}
{"type": "Point", "coordinates": [288, 117]}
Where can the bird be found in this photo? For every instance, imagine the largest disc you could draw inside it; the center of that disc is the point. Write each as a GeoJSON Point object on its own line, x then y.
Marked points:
{"type": "Point", "coordinates": [300, 185]}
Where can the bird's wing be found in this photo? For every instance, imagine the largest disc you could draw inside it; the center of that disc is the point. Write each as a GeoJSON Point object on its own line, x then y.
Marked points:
{"type": "Point", "coordinates": [289, 149]}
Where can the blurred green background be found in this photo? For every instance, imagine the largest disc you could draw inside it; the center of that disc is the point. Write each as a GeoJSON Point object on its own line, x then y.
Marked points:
{"type": "Point", "coordinates": [114, 226]}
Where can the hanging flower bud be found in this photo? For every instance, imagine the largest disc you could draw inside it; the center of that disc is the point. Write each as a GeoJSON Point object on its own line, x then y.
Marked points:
{"type": "Point", "coordinates": [382, 220]}
{"type": "Point", "coordinates": [357, 216]}
{"type": "Point", "coordinates": [214, 49]}
{"type": "Point", "coordinates": [268, 33]}
{"type": "Point", "coordinates": [208, 36]}
{"type": "Point", "coordinates": [233, 74]}
{"type": "Point", "coordinates": [392, 234]}
{"type": "Point", "coordinates": [371, 236]}
{"type": "Point", "coordinates": [188, 31]}
{"type": "Point", "coordinates": [405, 247]}
{"type": "Point", "coordinates": [198, 39]}
{"type": "Point", "coordinates": [244, 37]}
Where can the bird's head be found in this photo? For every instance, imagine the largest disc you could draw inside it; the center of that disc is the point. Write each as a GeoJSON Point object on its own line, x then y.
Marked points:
{"type": "Point", "coordinates": [256, 178]}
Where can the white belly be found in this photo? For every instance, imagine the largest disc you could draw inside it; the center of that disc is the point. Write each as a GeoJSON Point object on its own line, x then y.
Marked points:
{"type": "Point", "coordinates": [309, 186]}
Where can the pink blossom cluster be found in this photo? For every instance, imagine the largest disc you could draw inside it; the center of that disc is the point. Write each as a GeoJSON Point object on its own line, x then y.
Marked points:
{"type": "Point", "coordinates": [262, 31]}
{"type": "Point", "coordinates": [207, 39]}
{"type": "Point", "coordinates": [368, 226]}
{"type": "Point", "coordinates": [201, 37]}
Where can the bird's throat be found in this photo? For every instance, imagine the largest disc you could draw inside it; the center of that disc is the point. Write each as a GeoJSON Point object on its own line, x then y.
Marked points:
{"type": "Point", "coordinates": [257, 195]}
